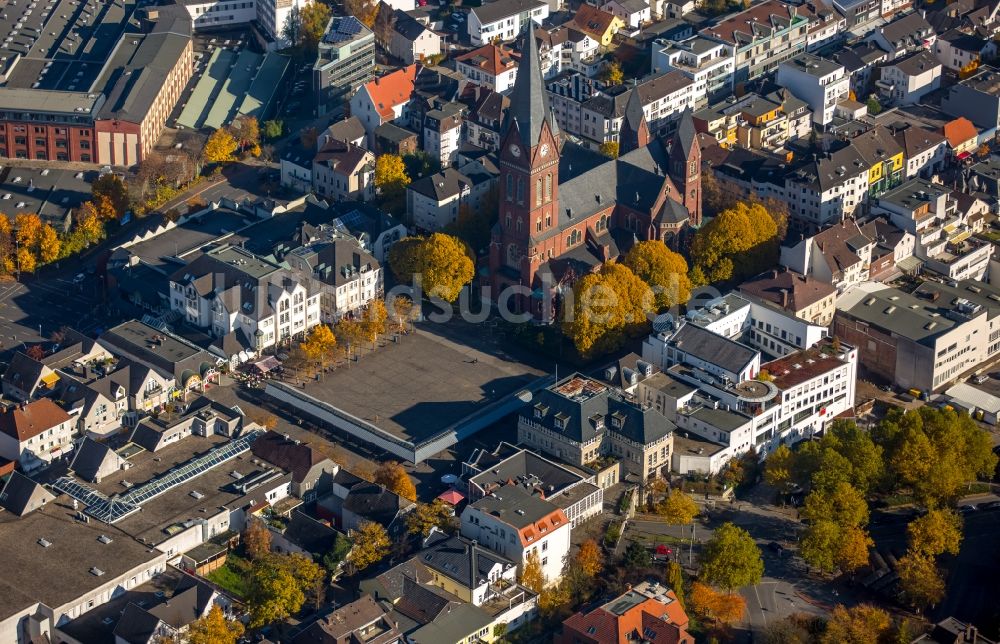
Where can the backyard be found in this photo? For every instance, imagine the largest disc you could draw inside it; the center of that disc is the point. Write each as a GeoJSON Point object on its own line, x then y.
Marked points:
{"type": "Point", "coordinates": [233, 576]}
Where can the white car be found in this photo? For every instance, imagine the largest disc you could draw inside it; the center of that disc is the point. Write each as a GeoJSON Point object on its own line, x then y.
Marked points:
{"type": "Point", "coordinates": [79, 278]}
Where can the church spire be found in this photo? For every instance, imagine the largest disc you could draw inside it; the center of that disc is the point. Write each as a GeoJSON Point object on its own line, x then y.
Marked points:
{"type": "Point", "coordinates": [634, 133]}
{"type": "Point", "coordinates": [529, 103]}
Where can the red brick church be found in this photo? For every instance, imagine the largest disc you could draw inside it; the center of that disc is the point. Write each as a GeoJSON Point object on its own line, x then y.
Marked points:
{"type": "Point", "coordinates": [565, 210]}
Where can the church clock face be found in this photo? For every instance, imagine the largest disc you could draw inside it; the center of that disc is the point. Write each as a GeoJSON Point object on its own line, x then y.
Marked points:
{"type": "Point", "coordinates": [544, 150]}
{"type": "Point", "coordinates": [515, 150]}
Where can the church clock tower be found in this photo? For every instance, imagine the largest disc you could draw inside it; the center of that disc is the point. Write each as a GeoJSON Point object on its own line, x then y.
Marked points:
{"type": "Point", "coordinates": [529, 179]}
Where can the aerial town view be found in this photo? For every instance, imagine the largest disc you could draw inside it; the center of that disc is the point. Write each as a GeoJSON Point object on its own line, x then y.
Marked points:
{"type": "Point", "coordinates": [500, 321]}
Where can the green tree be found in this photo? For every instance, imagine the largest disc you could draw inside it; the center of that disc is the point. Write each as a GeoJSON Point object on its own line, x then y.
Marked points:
{"type": "Point", "coordinates": [677, 508]}
{"type": "Point", "coordinates": [935, 533]}
{"type": "Point", "coordinates": [636, 556]}
{"type": "Point", "coordinates": [864, 457]}
{"type": "Point", "coordinates": [874, 106]}
{"type": "Point", "coordinates": [337, 553]}
{"type": "Point", "coordinates": [835, 537]}
{"type": "Point", "coordinates": [665, 271]}
{"type": "Point", "coordinates": [675, 580]}
{"type": "Point", "coordinates": [740, 242]}
{"type": "Point", "coordinates": [609, 149]}
{"type": "Point", "coordinates": [273, 129]}
{"type": "Point", "coordinates": [370, 545]}
{"type": "Point", "coordinates": [861, 624]}
{"type": "Point", "coordinates": [426, 516]}
{"type": "Point", "coordinates": [214, 628]}
{"type": "Point", "coordinates": [608, 307]}
{"type": "Point", "coordinates": [731, 559]}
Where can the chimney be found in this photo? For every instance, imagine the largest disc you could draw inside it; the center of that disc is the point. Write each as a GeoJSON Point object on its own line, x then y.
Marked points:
{"type": "Point", "coordinates": [784, 298]}
{"type": "Point", "coordinates": [971, 634]}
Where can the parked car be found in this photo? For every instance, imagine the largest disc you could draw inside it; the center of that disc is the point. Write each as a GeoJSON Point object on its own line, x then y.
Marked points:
{"type": "Point", "coordinates": [79, 278]}
{"type": "Point", "coordinates": [967, 509]}
{"type": "Point", "coordinates": [980, 379]}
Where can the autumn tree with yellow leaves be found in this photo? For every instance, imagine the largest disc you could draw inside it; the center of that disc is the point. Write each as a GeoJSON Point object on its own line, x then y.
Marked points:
{"type": "Point", "coordinates": [220, 147]}
{"type": "Point", "coordinates": [608, 307]}
{"type": "Point", "coordinates": [214, 628]}
{"type": "Point", "coordinates": [742, 241]}
{"type": "Point", "coordinates": [370, 545]}
{"type": "Point", "coordinates": [393, 477]}
{"type": "Point", "coordinates": [663, 270]}
{"type": "Point", "coordinates": [442, 263]}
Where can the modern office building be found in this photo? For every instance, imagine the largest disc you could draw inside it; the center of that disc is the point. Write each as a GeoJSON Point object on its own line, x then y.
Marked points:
{"type": "Point", "coordinates": [345, 61]}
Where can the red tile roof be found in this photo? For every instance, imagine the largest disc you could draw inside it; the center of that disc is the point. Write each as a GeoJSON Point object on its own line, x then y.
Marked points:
{"type": "Point", "coordinates": [492, 59]}
{"type": "Point", "coordinates": [28, 421]}
{"type": "Point", "coordinates": [392, 89]}
{"type": "Point", "coordinates": [646, 615]}
{"type": "Point", "coordinates": [591, 20]}
{"type": "Point", "coordinates": [959, 131]}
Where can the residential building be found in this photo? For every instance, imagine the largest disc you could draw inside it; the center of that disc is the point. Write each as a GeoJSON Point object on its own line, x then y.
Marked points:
{"type": "Point", "coordinates": [761, 37]}
{"type": "Point", "coordinates": [924, 340]}
{"type": "Point", "coordinates": [434, 201]}
{"type": "Point", "coordinates": [826, 25]}
{"type": "Point", "coordinates": [517, 525]}
{"type": "Point", "coordinates": [953, 631]}
{"type": "Point", "coordinates": [578, 493]}
{"type": "Point", "coordinates": [883, 157]}
{"type": "Point", "coordinates": [492, 65]}
{"type": "Point", "coordinates": [862, 60]}
{"type": "Point", "coordinates": [662, 98]}
{"type": "Point", "coordinates": [412, 41]}
{"type": "Point", "coordinates": [312, 473]}
{"type": "Point", "coordinates": [383, 99]}
{"type": "Point", "coordinates": [976, 98]}
{"type": "Point", "coordinates": [346, 276]}
{"type": "Point", "coordinates": [943, 233]}
{"type": "Point", "coordinates": [757, 122]}
{"type": "Point", "coordinates": [362, 620]}
{"type": "Point", "coordinates": [958, 49]}
{"type": "Point", "coordinates": [503, 19]}
{"type": "Point", "coordinates": [962, 137]}
{"type": "Point", "coordinates": [392, 139]}
{"type": "Point", "coordinates": [701, 348]}
{"type": "Point", "coordinates": [860, 15]}
{"type": "Point", "coordinates": [839, 255]}
{"type": "Point", "coordinates": [599, 25]}
{"type": "Point", "coordinates": [906, 80]}
{"type": "Point", "coordinates": [486, 110]}
{"type": "Point", "coordinates": [633, 13]}
{"type": "Point", "coordinates": [342, 172]}
{"type": "Point", "coordinates": [442, 130]}
{"type": "Point", "coordinates": [825, 190]}
{"type": "Point", "coordinates": [578, 420]}
{"type": "Point", "coordinates": [345, 61]}
{"type": "Point", "coordinates": [820, 83]}
{"type": "Point", "coordinates": [904, 36]}
{"type": "Point", "coordinates": [707, 62]}
{"type": "Point", "coordinates": [35, 433]}
{"type": "Point", "coordinates": [649, 611]}
{"type": "Point", "coordinates": [800, 295]}
{"type": "Point", "coordinates": [924, 150]}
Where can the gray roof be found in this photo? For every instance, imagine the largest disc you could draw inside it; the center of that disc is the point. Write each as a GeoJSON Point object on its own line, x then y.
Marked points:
{"type": "Point", "coordinates": [812, 64]}
{"type": "Point", "coordinates": [21, 495]}
{"type": "Point", "coordinates": [721, 419]}
{"type": "Point", "coordinates": [713, 348]}
{"type": "Point", "coordinates": [92, 459]}
{"type": "Point", "coordinates": [456, 625]}
{"type": "Point", "coordinates": [493, 11]}
{"type": "Point", "coordinates": [442, 185]}
{"type": "Point", "coordinates": [523, 467]}
{"type": "Point", "coordinates": [917, 63]}
{"type": "Point", "coordinates": [907, 28]}
{"type": "Point", "coordinates": [529, 102]}
{"type": "Point", "coordinates": [515, 507]}
{"type": "Point", "coordinates": [460, 559]}
{"type": "Point", "coordinates": [915, 319]}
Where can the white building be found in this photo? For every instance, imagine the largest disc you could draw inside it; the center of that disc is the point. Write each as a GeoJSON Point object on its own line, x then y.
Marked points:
{"type": "Point", "coordinates": [346, 276]}
{"type": "Point", "coordinates": [272, 15]}
{"type": "Point", "coordinates": [707, 62]}
{"type": "Point", "coordinates": [817, 81]}
{"type": "Point", "coordinates": [231, 290]}
{"type": "Point", "coordinates": [383, 99]}
{"type": "Point", "coordinates": [839, 255]}
{"type": "Point", "coordinates": [35, 433]}
{"type": "Point", "coordinates": [503, 19]}
{"type": "Point", "coordinates": [664, 97]}
{"type": "Point", "coordinates": [492, 65]}
{"type": "Point", "coordinates": [634, 13]}
{"type": "Point", "coordinates": [906, 81]}
{"type": "Point", "coordinates": [516, 524]}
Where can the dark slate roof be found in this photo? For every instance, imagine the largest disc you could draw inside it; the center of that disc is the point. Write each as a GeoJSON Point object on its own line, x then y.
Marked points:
{"type": "Point", "coordinates": [407, 26]}
{"type": "Point", "coordinates": [460, 559]}
{"type": "Point", "coordinates": [90, 458]}
{"type": "Point", "coordinates": [529, 102]}
{"type": "Point", "coordinates": [309, 534]}
{"type": "Point", "coordinates": [713, 348]}
{"type": "Point", "coordinates": [21, 495]}
{"type": "Point", "coordinates": [442, 185]}
{"type": "Point", "coordinates": [686, 133]}
{"type": "Point", "coordinates": [424, 604]}
{"type": "Point", "coordinates": [136, 626]}
{"type": "Point", "coordinates": [587, 408]}
{"type": "Point", "coordinates": [633, 112]}
{"type": "Point", "coordinates": [375, 503]}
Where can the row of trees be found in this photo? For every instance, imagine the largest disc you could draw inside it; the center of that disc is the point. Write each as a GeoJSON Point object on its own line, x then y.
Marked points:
{"type": "Point", "coordinates": [928, 454]}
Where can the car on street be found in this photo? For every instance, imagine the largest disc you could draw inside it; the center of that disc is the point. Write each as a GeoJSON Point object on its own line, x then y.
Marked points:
{"type": "Point", "coordinates": [79, 278]}
{"type": "Point", "coordinates": [980, 379]}
{"type": "Point", "coordinates": [967, 508]}
{"type": "Point", "coordinates": [774, 546]}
